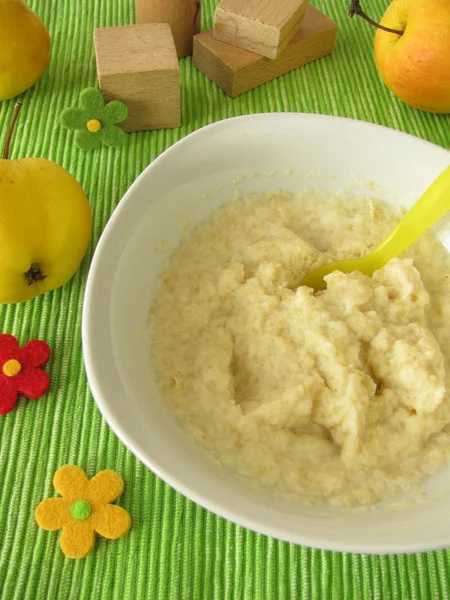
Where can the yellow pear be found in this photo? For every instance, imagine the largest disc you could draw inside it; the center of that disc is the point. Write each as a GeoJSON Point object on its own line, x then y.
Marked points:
{"type": "Point", "coordinates": [45, 225]}
{"type": "Point", "coordinates": [24, 48]}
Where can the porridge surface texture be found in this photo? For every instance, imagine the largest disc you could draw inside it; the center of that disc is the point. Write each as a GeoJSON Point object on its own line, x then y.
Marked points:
{"type": "Point", "coordinates": [335, 398]}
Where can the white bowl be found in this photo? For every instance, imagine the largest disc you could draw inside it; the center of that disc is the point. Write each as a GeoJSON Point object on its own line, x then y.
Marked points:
{"type": "Point", "coordinates": [178, 190]}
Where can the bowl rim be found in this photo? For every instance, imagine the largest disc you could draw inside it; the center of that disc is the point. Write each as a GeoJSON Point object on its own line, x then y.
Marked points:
{"type": "Point", "coordinates": [100, 394]}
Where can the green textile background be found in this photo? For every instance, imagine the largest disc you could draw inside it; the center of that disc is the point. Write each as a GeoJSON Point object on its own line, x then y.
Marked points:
{"type": "Point", "coordinates": [175, 550]}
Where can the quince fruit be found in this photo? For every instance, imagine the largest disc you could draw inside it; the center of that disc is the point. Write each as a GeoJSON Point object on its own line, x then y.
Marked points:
{"type": "Point", "coordinates": [24, 48]}
{"type": "Point", "coordinates": [45, 225]}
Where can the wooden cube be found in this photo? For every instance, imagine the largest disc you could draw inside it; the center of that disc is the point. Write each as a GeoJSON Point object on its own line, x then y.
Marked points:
{"type": "Point", "coordinates": [183, 17]}
{"type": "Point", "coordinates": [237, 71]}
{"type": "Point", "coordinates": [262, 26]}
{"type": "Point", "coordinates": [138, 65]}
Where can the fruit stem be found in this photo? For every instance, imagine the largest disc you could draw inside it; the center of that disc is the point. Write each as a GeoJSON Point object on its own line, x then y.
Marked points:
{"type": "Point", "coordinates": [355, 9]}
{"type": "Point", "coordinates": [9, 133]}
{"type": "Point", "coordinates": [34, 274]}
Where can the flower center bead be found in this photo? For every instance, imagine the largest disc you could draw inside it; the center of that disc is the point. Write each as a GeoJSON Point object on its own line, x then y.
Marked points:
{"type": "Point", "coordinates": [80, 510]}
{"type": "Point", "coordinates": [12, 367]}
{"type": "Point", "coordinates": [94, 125]}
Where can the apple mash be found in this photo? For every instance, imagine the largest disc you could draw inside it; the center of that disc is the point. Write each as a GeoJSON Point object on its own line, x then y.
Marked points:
{"type": "Point", "coordinates": [339, 397]}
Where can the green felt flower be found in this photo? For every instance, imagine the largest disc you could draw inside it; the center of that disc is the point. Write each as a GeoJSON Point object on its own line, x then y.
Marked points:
{"type": "Point", "coordinates": [95, 121]}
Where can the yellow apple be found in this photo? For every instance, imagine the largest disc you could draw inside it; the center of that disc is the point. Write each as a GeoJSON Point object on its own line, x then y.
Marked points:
{"type": "Point", "coordinates": [416, 65]}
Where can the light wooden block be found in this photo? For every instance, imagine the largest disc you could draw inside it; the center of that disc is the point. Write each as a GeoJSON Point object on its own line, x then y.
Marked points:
{"type": "Point", "coordinates": [183, 17]}
{"type": "Point", "coordinates": [237, 71]}
{"type": "Point", "coordinates": [138, 65]}
{"type": "Point", "coordinates": [262, 26]}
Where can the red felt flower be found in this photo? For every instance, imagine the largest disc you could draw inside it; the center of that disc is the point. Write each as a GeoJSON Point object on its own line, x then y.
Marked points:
{"type": "Point", "coordinates": [20, 372]}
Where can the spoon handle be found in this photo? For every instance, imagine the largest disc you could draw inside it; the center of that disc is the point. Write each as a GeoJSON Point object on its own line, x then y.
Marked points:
{"type": "Point", "coordinates": [430, 207]}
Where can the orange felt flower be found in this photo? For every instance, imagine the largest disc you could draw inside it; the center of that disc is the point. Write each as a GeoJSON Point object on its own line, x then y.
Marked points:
{"type": "Point", "coordinates": [84, 509]}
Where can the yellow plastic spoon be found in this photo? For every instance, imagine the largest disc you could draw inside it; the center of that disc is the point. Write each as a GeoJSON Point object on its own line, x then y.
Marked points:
{"type": "Point", "coordinates": [430, 207]}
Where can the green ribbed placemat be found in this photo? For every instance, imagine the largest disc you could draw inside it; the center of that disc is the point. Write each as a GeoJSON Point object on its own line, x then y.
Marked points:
{"type": "Point", "coordinates": [175, 550]}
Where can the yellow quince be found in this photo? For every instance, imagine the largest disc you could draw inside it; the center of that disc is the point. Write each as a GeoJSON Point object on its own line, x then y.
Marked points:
{"type": "Point", "coordinates": [45, 225]}
{"type": "Point", "coordinates": [24, 48]}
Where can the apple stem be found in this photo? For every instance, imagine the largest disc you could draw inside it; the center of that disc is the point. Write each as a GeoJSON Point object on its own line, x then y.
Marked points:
{"type": "Point", "coordinates": [34, 274]}
{"type": "Point", "coordinates": [9, 133]}
{"type": "Point", "coordinates": [355, 9]}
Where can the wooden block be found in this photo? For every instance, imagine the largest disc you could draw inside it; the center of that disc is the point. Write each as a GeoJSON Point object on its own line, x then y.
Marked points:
{"type": "Point", "coordinates": [182, 15]}
{"type": "Point", "coordinates": [237, 71]}
{"type": "Point", "coordinates": [138, 65]}
{"type": "Point", "coordinates": [262, 26]}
